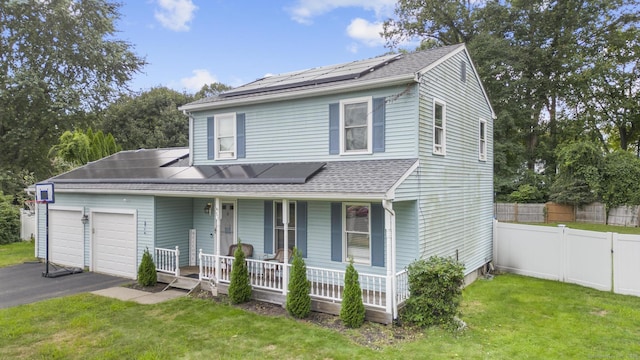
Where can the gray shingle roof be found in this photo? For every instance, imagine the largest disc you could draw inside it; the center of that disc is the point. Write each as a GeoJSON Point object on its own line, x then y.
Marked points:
{"type": "Point", "coordinates": [358, 178]}
{"type": "Point", "coordinates": [407, 64]}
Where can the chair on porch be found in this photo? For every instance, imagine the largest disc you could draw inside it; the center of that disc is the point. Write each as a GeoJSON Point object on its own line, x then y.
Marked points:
{"type": "Point", "coordinates": [226, 265]}
{"type": "Point", "coordinates": [272, 271]}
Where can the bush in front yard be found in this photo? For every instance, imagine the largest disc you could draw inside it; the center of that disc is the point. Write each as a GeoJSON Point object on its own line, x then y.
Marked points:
{"type": "Point", "coordinates": [436, 291]}
{"type": "Point", "coordinates": [147, 275]}
{"type": "Point", "coordinates": [298, 299]}
{"type": "Point", "coordinates": [352, 311]}
{"type": "Point", "coordinates": [9, 220]}
{"type": "Point", "coordinates": [239, 288]}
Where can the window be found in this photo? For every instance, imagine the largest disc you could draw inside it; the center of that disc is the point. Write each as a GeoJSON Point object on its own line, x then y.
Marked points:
{"type": "Point", "coordinates": [225, 140]}
{"type": "Point", "coordinates": [357, 233]}
{"type": "Point", "coordinates": [355, 125]}
{"type": "Point", "coordinates": [483, 140]}
{"type": "Point", "coordinates": [439, 127]}
{"type": "Point", "coordinates": [278, 225]}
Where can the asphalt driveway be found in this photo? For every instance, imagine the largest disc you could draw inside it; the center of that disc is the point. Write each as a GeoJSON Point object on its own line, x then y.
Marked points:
{"type": "Point", "coordinates": [24, 284]}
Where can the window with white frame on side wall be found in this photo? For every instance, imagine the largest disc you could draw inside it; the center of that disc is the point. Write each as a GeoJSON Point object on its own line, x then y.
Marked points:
{"type": "Point", "coordinates": [278, 225]}
{"type": "Point", "coordinates": [225, 136]}
{"type": "Point", "coordinates": [356, 125]}
{"type": "Point", "coordinates": [482, 140]}
{"type": "Point", "coordinates": [357, 232]}
{"type": "Point", "coordinates": [439, 127]}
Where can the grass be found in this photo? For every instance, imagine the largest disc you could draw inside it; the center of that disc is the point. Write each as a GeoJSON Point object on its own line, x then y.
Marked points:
{"type": "Point", "coordinates": [16, 253]}
{"type": "Point", "coordinates": [508, 317]}
{"type": "Point", "coordinates": [594, 227]}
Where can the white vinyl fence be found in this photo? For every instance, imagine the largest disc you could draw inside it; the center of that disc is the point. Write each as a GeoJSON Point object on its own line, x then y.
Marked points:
{"type": "Point", "coordinates": [604, 261]}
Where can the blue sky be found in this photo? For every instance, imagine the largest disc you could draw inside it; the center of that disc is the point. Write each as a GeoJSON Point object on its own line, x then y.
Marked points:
{"type": "Point", "coordinates": [189, 43]}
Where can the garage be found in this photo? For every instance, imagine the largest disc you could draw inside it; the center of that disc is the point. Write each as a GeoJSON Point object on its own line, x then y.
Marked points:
{"type": "Point", "coordinates": [66, 237]}
{"type": "Point", "coordinates": [114, 243]}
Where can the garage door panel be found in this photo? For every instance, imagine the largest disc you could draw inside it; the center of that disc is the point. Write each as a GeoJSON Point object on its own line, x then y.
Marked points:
{"type": "Point", "coordinates": [114, 244]}
{"type": "Point", "coordinates": [66, 237]}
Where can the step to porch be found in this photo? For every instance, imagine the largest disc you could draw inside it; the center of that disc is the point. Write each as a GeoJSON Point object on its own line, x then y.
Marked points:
{"type": "Point", "coordinates": [184, 283]}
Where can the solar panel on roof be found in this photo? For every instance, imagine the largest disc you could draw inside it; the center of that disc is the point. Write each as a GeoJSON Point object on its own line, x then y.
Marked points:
{"type": "Point", "coordinates": [318, 75]}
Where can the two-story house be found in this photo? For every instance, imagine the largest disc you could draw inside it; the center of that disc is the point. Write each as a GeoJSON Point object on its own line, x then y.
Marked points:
{"type": "Point", "coordinates": [383, 161]}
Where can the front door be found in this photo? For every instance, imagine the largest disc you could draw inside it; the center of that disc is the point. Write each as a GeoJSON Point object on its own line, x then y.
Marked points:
{"type": "Point", "coordinates": [227, 226]}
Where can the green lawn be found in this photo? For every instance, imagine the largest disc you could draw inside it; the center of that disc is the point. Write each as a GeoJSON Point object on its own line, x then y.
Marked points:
{"type": "Point", "coordinates": [594, 227]}
{"type": "Point", "coordinates": [16, 253]}
{"type": "Point", "coordinates": [509, 317]}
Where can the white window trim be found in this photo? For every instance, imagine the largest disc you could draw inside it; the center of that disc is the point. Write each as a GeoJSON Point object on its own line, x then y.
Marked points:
{"type": "Point", "coordinates": [275, 225]}
{"type": "Point", "coordinates": [442, 149]}
{"type": "Point", "coordinates": [368, 150]}
{"type": "Point", "coordinates": [482, 142]}
{"type": "Point", "coordinates": [345, 256]}
{"type": "Point", "coordinates": [218, 154]}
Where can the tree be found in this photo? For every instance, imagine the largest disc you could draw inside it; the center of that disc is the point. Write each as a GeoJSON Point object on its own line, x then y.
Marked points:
{"type": "Point", "coordinates": [620, 185]}
{"type": "Point", "coordinates": [298, 298]}
{"type": "Point", "coordinates": [239, 288]}
{"type": "Point", "coordinates": [352, 311]}
{"type": "Point", "coordinates": [579, 179]}
{"type": "Point", "coordinates": [9, 220]}
{"type": "Point", "coordinates": [59, 60]}
{"type": "Point", "coordinates": [78, 148]}
{"type": "Point", "coordinates": [212, 89]}
{"type": "Point", "coordinates": [148, 120]}
{"type": "Point", "coordinates": [147, 275]}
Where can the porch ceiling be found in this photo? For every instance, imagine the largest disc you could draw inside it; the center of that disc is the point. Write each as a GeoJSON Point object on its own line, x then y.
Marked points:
{"type": "Point", "coordinates": [371, 178]}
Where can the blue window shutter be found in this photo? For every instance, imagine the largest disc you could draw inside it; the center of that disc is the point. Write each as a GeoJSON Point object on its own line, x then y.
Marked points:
{"type": "Point", "coordinates": [336, 232]}
{"type": "Point", "coordinates": [241, 141]}
{"type": "Point", "coordinates": [211, 125]}
{"type": "Point", "coordinates": [377, 235]}
{"type": "Point", "coordinates": [301, 227]}
{"type": "Point", "coordinates": [334, 128]}
{"type": "Point", "coordinates": [268, 227]}
{"type": "Point", "coordinates": [379, 111]}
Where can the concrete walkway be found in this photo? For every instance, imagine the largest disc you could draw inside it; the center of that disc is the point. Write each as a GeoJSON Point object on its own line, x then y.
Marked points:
{"type": "Point", "coordinates": [139, 296]}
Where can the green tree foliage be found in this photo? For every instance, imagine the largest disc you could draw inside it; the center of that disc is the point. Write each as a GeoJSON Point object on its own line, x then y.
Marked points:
{"type": "Point", "coordinates": [298, 298]}
{"type": "Point", "coordinates": [240, 287]}
{"type": "Point", "coordinates": [536, 59]}
{"type": "Point", "coordinates": [59, 60]}
{"type": "Point", "coordinates": [352, 311]}
{"type": "Point", "coordinates": [212, 89]}
{"type": "Point", "coordinates": [579, 178]}
{"type": "Point", "coordinates": [621, 179]}
{"type": "Point", "coordinates": [149, 120]}
{"type": "Point", "coordinates": [436, 291]}
{"type": "Point", "coordinates": [79, 148]}
{"type": "Point", "coordinates": [13, 183]}
{"type": "Point", "coordinates": [147, 275]}
{"type": "Point", "coordinates": [9, 220]}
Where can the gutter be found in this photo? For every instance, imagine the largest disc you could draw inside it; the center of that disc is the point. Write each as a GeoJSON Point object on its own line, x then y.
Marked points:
{"type": "Point", "coordinates": [299, 94]}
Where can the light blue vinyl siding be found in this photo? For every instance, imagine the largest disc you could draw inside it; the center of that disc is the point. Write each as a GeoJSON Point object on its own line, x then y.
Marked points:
{"type": "Point", "coordinates": [204, 225]}
{"type": "Point", "coordinates": [406, 233]}
{"type": "Point", "coordinates": [144, 206]}
{"type": "Point", "coordinates": [174, 218]}
{"type": "Point", "coordinates": [456, 189]}
{"type": "Point", "coordinates": [298, 130]}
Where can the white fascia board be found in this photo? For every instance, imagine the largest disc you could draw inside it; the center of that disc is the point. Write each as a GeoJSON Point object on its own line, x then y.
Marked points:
{"type": "Point", "coordinates": [234, 195]}
{"type": "Point", "coordinates": [391, 193]}
{"type": "Point", "coordinates": [364, 85]}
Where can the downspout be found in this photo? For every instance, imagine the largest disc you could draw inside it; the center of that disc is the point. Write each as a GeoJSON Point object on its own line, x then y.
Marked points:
{"type": "Point", "coordinates": [390, 230]}
{"type": "Point", "coordinates": [185, 112]}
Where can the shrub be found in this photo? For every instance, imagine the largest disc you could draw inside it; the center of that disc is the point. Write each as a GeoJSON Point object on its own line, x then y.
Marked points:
{"type": "Point", "coordinates": [352, 311]}
{"type": "Point", "coordinates": [239, 288]}
{"type": "Point", "coordinates": [436, 290]}
{"type": "Point", "coordinates": [147, 275]}
{"type": "Point", "coordinates": [9, 220]}
{"type": "Point", "coordinates": [298, 299]}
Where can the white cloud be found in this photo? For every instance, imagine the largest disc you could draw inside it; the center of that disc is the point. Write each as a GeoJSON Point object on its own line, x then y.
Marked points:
{"type": "Point", "coordinates": [304, 10]}
{"type": "Point", "coordinates": [366, 32]}
{"type": "Point", "coordinates": [200, 77]}
{"type": "Point", "coordinates": [175, 14]}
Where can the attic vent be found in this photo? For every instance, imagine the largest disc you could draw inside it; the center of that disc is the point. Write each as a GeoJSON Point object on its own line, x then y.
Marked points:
{"type": "Point", "coordinates": [463, 71]}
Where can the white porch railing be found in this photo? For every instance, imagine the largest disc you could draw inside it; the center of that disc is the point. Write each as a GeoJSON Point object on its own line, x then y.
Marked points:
{"type": "Point", "coordinates": [402, 286]}
{"type": "Point", "coordinates": [329, 285]}
{"type": "Point", "coordinates": [168, 261]}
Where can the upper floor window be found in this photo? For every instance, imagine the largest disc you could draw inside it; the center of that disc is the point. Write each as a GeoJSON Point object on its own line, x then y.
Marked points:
{"type": "Point", "coordinates": [356, 125]}
{"type": "Point", "coordinates": [482, 145]}
{"type": "Point", "coordinates": [278, 225]}
{"type": "Point", "coordinates": [439, 127]}
{"type": "Point", "coordinates": [357, 233]}
{"type": "Point", "coordinates": [225, 136]}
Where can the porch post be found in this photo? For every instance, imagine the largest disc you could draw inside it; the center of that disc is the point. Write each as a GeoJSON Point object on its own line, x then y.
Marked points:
{"type": "Point", "coordinates": [285, 268]}
{"type": "Point", "coordinates": [389, 227]}
{"type": "Point", "coordinates": [216, 231]}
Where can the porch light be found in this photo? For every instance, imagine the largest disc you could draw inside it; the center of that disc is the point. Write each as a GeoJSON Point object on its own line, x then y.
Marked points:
{"type": "Point", "coordinates": [207, 209]}
{"type": "Point", "coordinates": [84, 219]}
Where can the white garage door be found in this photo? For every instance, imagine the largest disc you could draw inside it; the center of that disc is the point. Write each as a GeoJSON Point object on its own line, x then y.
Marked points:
{"type": "Point", "coordinates": [66, 237]}
{"type": "Point", "coordinates": [114, 244]}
